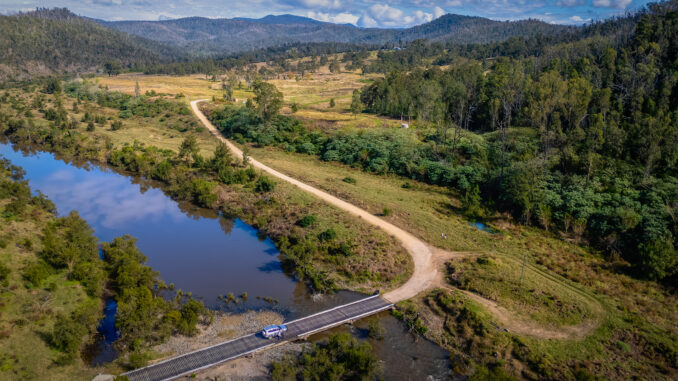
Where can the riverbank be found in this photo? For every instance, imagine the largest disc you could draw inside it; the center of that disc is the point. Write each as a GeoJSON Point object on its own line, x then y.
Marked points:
{"type": "Point", "coordinates": [33, 295]}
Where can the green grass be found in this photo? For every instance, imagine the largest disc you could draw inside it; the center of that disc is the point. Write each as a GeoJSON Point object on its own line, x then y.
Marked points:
{"type": "Point", "coordinates": [535, 297]}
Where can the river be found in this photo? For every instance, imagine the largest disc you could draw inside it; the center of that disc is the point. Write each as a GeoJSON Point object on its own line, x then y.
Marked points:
{"type": "Point", "coordinates": [201, 252]}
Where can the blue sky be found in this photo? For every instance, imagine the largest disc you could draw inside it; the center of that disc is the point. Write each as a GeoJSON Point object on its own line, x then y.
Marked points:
{"type": "Point", "coordinates": [366, 13]}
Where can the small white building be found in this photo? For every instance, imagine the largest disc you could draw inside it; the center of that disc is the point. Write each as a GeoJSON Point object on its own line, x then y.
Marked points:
{"type": "Point", "coordinates": [404, 125]}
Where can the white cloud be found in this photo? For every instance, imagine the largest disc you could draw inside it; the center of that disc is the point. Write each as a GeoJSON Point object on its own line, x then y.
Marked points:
{"type": "Point", "coordinates": [339, 18]}
{"type": "Point", "coordinates": [438, 12]}
{"type": "Point", "coordinates": [570, 3]}
{"type": "Point", "coordinates": [579, 20]}
{"type": "Point", "coordinates": [315, 4]}
{"type": "Point", "coordinates": [107, 2]}
{"type": "Point", "coordinates": [385, 15]}
{"type": "Point", "coordinates": [366, 21]}
{"type": "Point", "coordinates": [620, 4]}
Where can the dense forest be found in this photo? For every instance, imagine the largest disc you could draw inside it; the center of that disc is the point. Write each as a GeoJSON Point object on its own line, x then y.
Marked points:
{"type": "Point", "coordinates": [583, 140]}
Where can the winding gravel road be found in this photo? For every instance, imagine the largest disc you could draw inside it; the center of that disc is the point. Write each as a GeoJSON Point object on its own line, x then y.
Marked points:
{"type": "Point", "coordinates": [425, 270]}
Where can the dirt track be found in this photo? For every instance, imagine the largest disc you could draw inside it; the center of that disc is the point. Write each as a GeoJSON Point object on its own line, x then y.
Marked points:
{"type": "Point", "coordinates": [427, 259]}
{"type": "Point", "coordinates": [425, 270]}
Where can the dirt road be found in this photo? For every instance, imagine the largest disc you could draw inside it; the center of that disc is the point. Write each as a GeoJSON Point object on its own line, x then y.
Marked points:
{"type": "Point", "coordinates": [425, 270]}
{"type": "Point", "coordinates": [427, 259]}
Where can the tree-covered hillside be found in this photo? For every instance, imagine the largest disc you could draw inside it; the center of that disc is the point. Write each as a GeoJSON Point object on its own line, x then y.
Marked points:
{"type": "Point", "coordinates": [52, 41]}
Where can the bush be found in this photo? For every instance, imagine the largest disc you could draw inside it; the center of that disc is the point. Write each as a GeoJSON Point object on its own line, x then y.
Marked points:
{"type": "Point", "coordinates": [115, 126]}
{"type": "Point", "coordinates": [349, 180]}
{"type": "Point", "coordinates": [138, 359]}
{"type": "Point", "coordinates": [264, 184]}
{"type": "Point", "coordinates": [67, 335]}
{"type": "Point", "coordinates": [36, 272]}
{"type": "Point", "coordinates": [375, 330]}
{"type": "Point", "coordinates": [307, 221]}
{"type": "Point", "coordinates": [327, 235]}
{"type": "Point", "coordinates": [341, 249]}
{"type": "Point", "coordinates": [190, 312]}
{"type": "Point", "coordinates": [340, 358]}
{"type": "Point", "coordinates": [4, 273]}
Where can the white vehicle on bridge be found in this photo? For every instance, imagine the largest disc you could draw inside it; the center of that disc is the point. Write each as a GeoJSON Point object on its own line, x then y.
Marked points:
{"type": "Point", "coordinates": [274, 331]}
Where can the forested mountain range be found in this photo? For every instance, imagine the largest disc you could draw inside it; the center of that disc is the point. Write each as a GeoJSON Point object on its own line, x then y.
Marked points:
{"type": "Point", "coordinates": [217, 36]}
{"type": "Point", "coordinates": [47, 41]}
{"type": "Point", "coordinates": [55, 40]}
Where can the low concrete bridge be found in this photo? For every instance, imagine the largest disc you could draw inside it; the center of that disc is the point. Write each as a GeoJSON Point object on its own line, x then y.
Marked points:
{"type": "Point", "coordinates": [232, 349]}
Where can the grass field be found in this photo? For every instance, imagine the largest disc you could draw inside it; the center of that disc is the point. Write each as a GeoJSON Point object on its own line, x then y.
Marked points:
{"type": "Point", "coordinates": [313, 96]}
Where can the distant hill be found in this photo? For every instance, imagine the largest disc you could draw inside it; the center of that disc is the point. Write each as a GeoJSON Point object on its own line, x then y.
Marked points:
{"type": "Point", "coordinates": [48, 41]}
{"type": "Point", "coordinates": [281, 19]}
{"type": "Point", "coordinates": [219, 36]}
{"type": "Point", "coordinates": [468, 29]}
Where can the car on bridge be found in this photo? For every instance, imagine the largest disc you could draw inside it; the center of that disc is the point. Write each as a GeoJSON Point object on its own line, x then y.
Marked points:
{"type": "Point", "coordinates": [274, 331]}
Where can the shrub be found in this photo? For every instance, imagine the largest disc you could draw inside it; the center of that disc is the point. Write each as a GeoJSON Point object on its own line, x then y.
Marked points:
{"type": "Point", "coordinates": [375, 330]}
{"type": "Point", "coordinates": [264, 184]}
{"type": "Point", "coordinates": [190, 312]}
{"type": "Point", "coordinates": [67, 335]}
{"type": "Point", "coordinates": [349, 180]}
{"type": "Point", "coordinates": [115, 126]}
{"type": "Point", "coordinates": [307, 221]}
{"type": "Point", "coordinates": [4, 273]}
{"type": "Point", "coordinates": [138, 359]}
{"type": "Point", "coordinates": [327, 235]}
{"type": "Point", "coordinates": [341, 249]}
{"type": "Point", "coordinates": [36, 272]}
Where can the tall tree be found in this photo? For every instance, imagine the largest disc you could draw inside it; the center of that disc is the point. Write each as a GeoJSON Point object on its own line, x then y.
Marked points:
{"type": "Point", "coordinates": [269, 99]}
{"type": "Point", "coordinates": [356, 104]}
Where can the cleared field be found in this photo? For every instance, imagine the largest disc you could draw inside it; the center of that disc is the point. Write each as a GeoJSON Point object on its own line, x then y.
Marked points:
{"type": "Point", "coordinates": [192, 86]}
{"type": "Point", "coordinates": [313, 95]}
